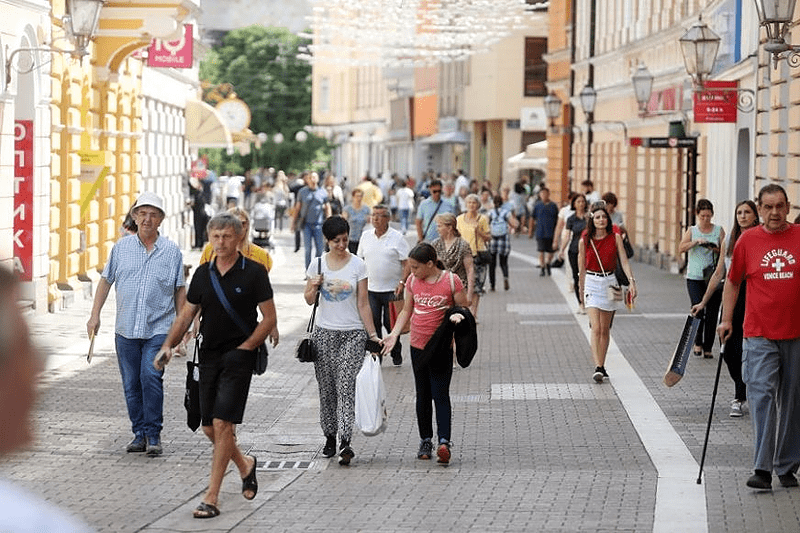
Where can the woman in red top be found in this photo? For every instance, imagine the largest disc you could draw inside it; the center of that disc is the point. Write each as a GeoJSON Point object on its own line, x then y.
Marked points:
{"type": "Point", "coordinates": [430, 292]}
{"type": "Point", "coordinates": [599, 250]}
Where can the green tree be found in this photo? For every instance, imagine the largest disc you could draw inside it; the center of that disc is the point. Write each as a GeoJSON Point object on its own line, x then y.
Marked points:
{"type": "Point", "coordinates": [263, 66]}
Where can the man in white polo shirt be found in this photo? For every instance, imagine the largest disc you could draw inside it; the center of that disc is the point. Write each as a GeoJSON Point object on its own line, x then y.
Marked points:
{"type": "Point", "coordinates": [385, 251]}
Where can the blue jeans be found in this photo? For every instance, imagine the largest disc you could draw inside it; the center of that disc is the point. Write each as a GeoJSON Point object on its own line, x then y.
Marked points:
{"type": "Point", "coordinates": [379, 304]}
{"type": "Point", "coordinates": [771, 370]}
{"type": "Point", "coordinates": [404, 220]}
{"type": "Point", "coordinates": [433, 385]}
{"type": "Point", "coordinates": [312, 231]}
{"type": "Point", "coordinates": [142, 383]}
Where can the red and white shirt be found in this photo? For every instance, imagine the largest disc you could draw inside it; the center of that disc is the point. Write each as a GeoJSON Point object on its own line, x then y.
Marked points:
{"type": "Point", "coordinates": [431, 301]}
{"type": "Point", "coordinates": [770, 263]}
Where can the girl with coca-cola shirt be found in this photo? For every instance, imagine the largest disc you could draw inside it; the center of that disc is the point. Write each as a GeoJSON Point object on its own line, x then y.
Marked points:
{"type": "Point", "coordinates": [430, 292]}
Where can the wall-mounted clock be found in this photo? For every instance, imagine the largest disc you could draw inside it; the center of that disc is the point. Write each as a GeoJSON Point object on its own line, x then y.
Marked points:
{"type": "Point", "coordinates": [235, 113]}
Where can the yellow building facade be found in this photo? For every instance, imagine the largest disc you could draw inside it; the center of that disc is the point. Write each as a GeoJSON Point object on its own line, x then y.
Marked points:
{"type": "Point", "coordinates": [85, 152]}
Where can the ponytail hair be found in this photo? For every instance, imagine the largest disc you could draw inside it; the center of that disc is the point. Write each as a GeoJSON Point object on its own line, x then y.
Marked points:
{"type": "Point", "coordinates": [423, 253]}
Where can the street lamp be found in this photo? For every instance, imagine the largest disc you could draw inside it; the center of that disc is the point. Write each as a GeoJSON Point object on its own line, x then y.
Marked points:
{"type": "Point", "coordinates": [588, 98]}
{"type": "Point", "coordinates": [80, 25]}
{"type": "Point", "coordinates": [776, 17]}
{"type": "Point", "coordinates": [552, 108]}
{"type": "Point", "coordinates": [642, 86]}
{"type": "Point", "coordinates": [699, 46]}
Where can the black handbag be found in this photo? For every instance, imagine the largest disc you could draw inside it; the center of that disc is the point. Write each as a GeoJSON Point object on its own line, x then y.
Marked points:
{"type": "Point", "coordinates": [191, 399]}
{"type": "Point", "coordinates": [262, 355]}
{"type": "Point", "coordinates": [619, 272]}
{"type": "Point", "coordinates": [306, 350]}
{"type": "Point", "coordinates": [483, 257]}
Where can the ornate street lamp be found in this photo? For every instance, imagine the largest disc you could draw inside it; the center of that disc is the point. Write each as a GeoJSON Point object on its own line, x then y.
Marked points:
{"type": "Point", "coordinates": [80, 24]}
{"type": "Point", "coordinates": [699, 46]}
{"type": "Point", "coordinates": [84, 16]}
{"type": "Point", "coordinates": [588, 98]}
{"type": "Point", "coordinates": [776, 16]}
{"type": "Point", "coordinates": [642, 86]}
{"type": "Point", "coordinates": [552, 107]}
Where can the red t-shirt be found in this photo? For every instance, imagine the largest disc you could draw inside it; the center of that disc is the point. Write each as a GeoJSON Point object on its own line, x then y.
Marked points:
{"type": "Point", "coordinates": [431, 301]}
{"type": "Point", "coordinates": [606, 249]}
{"type": "Point", "coordinates": [769, 263]}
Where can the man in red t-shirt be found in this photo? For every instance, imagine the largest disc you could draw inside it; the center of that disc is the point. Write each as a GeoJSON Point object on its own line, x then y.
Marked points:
{"type": "Point", "coordinates": [768, 258]}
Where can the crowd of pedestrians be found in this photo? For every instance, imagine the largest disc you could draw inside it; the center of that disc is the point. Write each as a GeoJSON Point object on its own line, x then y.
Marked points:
{"type": "Point", "coordinates": [360, 269]}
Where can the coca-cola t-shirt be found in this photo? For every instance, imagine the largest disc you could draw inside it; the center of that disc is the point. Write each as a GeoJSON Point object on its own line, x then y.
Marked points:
{"type": "Point", "coordinates": [431, 300]}
{"type": "Point", "coordinates": [769, 263]}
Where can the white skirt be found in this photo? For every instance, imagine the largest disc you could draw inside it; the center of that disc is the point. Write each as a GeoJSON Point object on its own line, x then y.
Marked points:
{"type": "Point", "coordinates": [595, 292]}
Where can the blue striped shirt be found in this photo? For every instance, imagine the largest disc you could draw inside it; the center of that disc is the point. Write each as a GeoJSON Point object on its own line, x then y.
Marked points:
{"type": "Point", "coordinates": [145, 285]}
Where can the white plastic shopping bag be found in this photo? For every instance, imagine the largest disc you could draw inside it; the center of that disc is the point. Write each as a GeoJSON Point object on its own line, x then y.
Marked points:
{"type": "Point", "coordinates": [371, 415]}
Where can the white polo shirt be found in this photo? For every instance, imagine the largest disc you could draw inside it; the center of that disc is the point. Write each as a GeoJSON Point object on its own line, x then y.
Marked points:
{"type": "Point", "coordinates": [383, 256]}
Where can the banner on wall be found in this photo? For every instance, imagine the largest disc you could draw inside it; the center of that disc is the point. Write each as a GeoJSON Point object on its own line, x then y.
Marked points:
{"type": "Point", "coordinates": [172, 54]}
{"type": "Point", "coordinates": [23, 199]}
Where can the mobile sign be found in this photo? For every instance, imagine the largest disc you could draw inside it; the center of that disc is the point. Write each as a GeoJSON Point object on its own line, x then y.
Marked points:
{"type": "Point", "coordinates": [172, 54]}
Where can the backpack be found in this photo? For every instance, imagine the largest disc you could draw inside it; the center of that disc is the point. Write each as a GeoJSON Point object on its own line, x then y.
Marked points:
{"type": "Point", "coordinates": [498, 223]}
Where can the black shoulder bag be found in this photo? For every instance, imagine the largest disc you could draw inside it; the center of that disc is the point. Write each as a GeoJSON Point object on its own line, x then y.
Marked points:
{"type": "Point", "coordinates": [306, 351]}
{"type": "Point", "coordinates": [262, 355]}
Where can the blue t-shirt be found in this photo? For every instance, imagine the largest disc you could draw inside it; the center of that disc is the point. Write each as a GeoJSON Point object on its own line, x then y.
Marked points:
{"type": "Point", "coordinates": [546, 216]}
{"type": "Point", "coordinates": [357, 220]}
{"type": "Point", "coordinates": [313, 205]}
{"type": "Point", "coordinates": [426, 212]}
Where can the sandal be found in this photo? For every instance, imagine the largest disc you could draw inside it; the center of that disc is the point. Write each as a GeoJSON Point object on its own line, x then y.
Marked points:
{"type": "Point", "coordinates": [250, 483]}
{"type": "Point", "coordinates": [708, 355]}
{"type": "Point", "coordinates": [206, 510]}
{"type": "Point", "coordinates": [699, 352]}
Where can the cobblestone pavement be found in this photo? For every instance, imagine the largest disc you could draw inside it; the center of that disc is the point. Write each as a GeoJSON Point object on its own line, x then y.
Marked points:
{"type": "Point", "coordinates": [536, 445]}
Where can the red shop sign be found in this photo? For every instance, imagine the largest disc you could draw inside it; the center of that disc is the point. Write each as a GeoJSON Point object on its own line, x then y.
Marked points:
{"type": "Point", "coordinates": [172, 54]}
{"type": "Point", "coordinates": [23, 199]}
{"type": "Point", "coordinates": [716, 103]}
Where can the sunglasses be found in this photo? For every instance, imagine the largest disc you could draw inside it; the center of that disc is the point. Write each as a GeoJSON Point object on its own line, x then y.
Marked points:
{"type": "Point", "coordinates": [435, 191]}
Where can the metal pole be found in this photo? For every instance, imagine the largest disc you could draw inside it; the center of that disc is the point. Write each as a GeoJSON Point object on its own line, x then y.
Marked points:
{"type": "Point", "coordinates": [711, 412]}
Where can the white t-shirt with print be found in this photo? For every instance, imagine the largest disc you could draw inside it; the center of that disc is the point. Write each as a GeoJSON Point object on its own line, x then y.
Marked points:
{"type": "Point", "coordinates": [338, 303]}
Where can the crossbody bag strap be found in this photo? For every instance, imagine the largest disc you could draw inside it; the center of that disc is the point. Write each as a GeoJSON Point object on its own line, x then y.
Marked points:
{"type": "Point", "coordinates": [224, 301]}
{"type": "Point", "coordinates": [597, 255]}
{"type": "Point", "coordinates": [433, 216]}
{"type": "Point", "coordinates": [310, 325]}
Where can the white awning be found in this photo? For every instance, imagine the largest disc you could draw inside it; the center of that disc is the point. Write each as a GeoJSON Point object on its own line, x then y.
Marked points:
{"type": "Point", "coordinates": [534, 156]}
{"type": "Point", "coordinates": [205, 127]}
{"type": "Point", "coordinates": [453, 137]}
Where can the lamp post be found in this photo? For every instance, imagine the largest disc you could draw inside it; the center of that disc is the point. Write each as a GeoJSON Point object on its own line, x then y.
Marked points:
{"type": "Point", "coordinates": [80, 25]}
{"type": "Point", "coordinates": [699, 46]}
{"type": "Point", "coordinates": [588, 97]}
{"type": "Point", "coordinates": [642, 86]}
{"type": "Point", "coordinates": [776, 17]}
{"type": "Point", "coordinates": [552, 108]}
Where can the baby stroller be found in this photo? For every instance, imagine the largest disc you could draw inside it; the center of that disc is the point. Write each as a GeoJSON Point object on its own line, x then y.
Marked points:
{"type": "Point", "coordinates": [263, 222]}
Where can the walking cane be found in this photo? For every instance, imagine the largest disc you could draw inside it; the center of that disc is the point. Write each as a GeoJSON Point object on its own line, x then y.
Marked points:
{"type": "Point", "coordinates": [711, 411]}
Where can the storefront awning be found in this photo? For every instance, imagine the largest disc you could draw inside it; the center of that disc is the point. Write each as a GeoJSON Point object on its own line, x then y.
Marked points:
{"type": "Point", "coordinates": [534, 156]}
{"type": "Point", "coordinates": [205, 127]}
{"type": "Point", "coordinates": [453, 137]}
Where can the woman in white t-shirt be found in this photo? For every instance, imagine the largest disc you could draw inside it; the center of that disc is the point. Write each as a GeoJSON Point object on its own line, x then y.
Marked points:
{"type": "Point", "coordinates": [343, 324]}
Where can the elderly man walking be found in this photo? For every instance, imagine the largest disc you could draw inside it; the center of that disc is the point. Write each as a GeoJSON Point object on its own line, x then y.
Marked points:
{"type": "Point", "coordinates": [148, 271]}
{"type": "Point", "coordinates": [385, 252]}
{"type": "Point", "coordinates": [227, 354]}
{"type": "Point", "coordinates": [767, 257]}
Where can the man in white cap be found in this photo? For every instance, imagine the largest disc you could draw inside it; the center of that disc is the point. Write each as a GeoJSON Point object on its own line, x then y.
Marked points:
{"type": "Point", "coordinates": [150, 289]}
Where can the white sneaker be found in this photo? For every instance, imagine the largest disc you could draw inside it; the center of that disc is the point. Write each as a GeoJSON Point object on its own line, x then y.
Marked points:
{"type": "Point", "coordinates": [736, 409]}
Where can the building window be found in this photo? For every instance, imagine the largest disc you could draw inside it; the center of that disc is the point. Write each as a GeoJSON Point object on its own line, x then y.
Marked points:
{"type": "Point", "coordinates": [535, 67]}
{"type": "Point", "coordinates": [324, 95]}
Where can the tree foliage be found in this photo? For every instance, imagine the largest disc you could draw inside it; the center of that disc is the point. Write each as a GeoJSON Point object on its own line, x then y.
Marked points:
{"type": "Point", "coordinates": [263, 66]}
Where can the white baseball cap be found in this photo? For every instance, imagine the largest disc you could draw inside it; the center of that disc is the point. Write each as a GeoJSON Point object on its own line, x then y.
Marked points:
{"type": "Point", "coordinates": [151, 199]}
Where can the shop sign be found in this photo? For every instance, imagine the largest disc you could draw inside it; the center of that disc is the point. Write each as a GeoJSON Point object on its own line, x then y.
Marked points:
{"type": "Point", "coordinates": [664, 142]}
{"type": "Point", "coordinates": [23, 199]}
{"type": "Point", "coordinates": [172, 54]}
{"type": "Point", "coordinates": [716, 103]}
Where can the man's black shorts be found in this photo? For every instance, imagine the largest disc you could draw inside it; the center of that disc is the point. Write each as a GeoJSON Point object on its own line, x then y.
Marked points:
{"type": "Point", "coordinates": [544, 245]}
{"type": "Point", "coordinates": [224, 384]}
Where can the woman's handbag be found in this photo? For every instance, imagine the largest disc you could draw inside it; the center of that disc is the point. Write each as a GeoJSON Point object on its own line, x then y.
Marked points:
{"type": "Point", "coordinates": [482, 257]}
{"type": "Point", "coordinates": [262, 355]}
{"type": "Point", "coordinates": [306, 351]}
{"type": "Point", "coordinates": [371, 415]}
{"type": "Point", "coordinates": [191, 399]}
{"type": "Point", "coordinates": [615, 293]}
